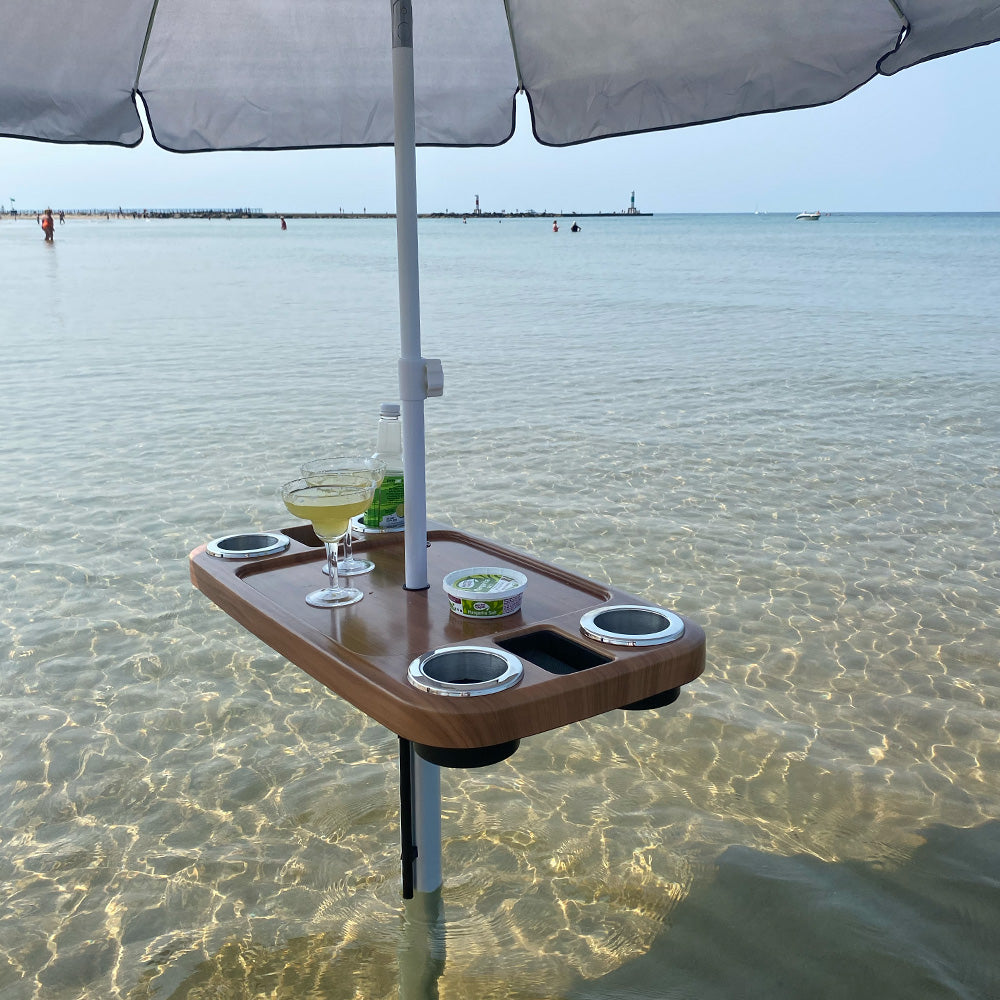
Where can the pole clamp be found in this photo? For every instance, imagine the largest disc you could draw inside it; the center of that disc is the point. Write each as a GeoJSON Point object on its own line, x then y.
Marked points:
{"type": "Point", "coordinates": [420, 378]}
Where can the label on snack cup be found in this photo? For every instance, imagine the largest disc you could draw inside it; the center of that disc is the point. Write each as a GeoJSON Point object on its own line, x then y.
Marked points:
{"type": "Point", "coordinates": [485, 583]}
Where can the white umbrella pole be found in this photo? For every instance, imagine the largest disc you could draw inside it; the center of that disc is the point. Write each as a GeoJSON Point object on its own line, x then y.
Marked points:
{"type": "Point", "coordinates": [412, 368]}
{"type": "Point", "coordinates": [419, 821]}
{"type": "Point", "coordinates": [421, 959]}
{"type": "Point", "coordinates": [418, 378]}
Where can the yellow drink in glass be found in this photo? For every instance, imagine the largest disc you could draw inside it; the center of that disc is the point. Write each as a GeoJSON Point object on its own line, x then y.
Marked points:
{"type": "Point", "coordinates": [330, 508]}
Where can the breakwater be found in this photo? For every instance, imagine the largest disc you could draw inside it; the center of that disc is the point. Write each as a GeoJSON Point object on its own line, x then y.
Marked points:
{"type": "Point", "coordinates": [257, 213]}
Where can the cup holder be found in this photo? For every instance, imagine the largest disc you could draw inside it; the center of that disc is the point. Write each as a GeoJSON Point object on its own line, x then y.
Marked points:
{"type": "Point", "coordinates": [251, 545]}
{"type": "Point", "coordinates": [632, 625]}
{"type": "Point", "coordinates": [465, 671]}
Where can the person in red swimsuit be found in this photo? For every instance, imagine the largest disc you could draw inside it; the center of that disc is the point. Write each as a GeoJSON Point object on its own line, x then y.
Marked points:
{"type": "Point", "coordinates": [48, 228]}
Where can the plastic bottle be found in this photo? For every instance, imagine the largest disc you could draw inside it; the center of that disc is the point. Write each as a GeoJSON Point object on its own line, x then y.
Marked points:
{"type": "Point", "coordinates": [386, 510]}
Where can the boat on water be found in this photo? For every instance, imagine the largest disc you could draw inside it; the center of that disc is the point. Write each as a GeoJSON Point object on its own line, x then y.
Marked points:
{"type": "Point", "coordinates": [811, 216]}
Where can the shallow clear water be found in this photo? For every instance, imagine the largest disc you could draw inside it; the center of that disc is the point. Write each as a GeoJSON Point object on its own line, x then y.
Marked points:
{"type": "Point", "coordinates": [786, 431]}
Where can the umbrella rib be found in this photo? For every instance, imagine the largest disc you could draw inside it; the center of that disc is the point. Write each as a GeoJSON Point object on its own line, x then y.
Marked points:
{"type": "Point", "coordinates": [902, 14]}
{"type": "Point", "coordinates": [145, 44]}
{"type": "Point", "coordinates": [513, 45]}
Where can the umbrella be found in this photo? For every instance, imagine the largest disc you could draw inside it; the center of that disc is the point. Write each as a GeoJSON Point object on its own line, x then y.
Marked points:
{"type": "Point", "coordinates": [271, 74]}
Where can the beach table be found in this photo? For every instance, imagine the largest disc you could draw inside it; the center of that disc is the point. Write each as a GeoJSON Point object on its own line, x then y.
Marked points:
{"type": "Point", "coordinates": [551, 670]}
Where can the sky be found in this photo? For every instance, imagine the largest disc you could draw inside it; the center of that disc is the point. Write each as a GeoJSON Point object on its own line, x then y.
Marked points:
{"type": "Point", "coordinates": [924, 140]}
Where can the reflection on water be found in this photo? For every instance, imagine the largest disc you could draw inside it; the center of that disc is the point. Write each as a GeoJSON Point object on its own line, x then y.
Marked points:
{"type": "Point", "coordinates": [796, 926]}
{"type": "Point", "coordinates": [792, 441]}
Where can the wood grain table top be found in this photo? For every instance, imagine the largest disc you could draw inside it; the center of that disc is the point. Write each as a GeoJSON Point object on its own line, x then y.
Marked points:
{"type": "Point", "coordinates": [362, 652]}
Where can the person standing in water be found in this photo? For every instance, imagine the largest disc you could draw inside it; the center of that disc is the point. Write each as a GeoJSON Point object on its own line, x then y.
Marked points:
{"type": "Point", "coordinates": [48, 226]}
{"type": "Point", "coordinates": [555, 226]}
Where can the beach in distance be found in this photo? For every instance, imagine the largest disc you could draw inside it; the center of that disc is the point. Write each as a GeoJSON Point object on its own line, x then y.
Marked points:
{"type": "Point", "coordinates": [256, 214]}
{"type": "Point", "coordinates": [784, 430]}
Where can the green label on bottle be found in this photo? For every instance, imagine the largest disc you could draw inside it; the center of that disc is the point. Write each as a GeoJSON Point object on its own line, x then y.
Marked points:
{"type": "Point", "coordinates": [386, 509]}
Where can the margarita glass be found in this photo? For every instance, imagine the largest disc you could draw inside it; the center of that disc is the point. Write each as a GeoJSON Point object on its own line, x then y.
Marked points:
{"type": "Point", "coordinates": [318, 471]}
{"type": "Point", "coordinates": [330, 505]}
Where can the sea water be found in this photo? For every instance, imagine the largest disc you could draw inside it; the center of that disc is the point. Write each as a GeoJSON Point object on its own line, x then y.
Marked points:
{"type": "Point", "coordinates": [785, 430]}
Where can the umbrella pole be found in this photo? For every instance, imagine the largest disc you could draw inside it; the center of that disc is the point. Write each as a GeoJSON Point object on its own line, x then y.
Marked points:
{"type": "Point", "coordinates": [419, 822]}
{"type": "Point", "coordinates": [413, 372]}
{"type": "Point", "coordinates": [420, 781]}
{"type": "Point", "coordinates": [422, 949]}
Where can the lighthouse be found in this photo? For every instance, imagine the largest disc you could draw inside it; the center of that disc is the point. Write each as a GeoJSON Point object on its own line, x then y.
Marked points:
{"type": "Point", "coordinates": [632, 210]}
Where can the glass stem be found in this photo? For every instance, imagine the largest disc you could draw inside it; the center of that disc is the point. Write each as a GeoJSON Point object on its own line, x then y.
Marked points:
{"type": "Point", "coordinates": [331, 563]}
{"type": "Point", "coordinates": [348, 545]}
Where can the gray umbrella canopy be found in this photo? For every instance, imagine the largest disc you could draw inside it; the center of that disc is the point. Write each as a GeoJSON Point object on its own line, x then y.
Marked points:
{"type": "Point", "coordinates": [272, 74]}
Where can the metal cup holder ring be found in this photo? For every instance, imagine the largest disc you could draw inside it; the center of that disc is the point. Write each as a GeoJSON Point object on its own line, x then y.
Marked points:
{"type": "Point", "coordinates": [250, 545]}
{"type": "Point", "coordinates": [632, 625]}
{"type": "Point", "coordinates": [464, 671]}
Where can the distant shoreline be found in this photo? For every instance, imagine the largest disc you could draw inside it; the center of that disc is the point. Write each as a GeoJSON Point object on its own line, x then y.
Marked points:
{"type": "Point", "coordinates": [228, 214]}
